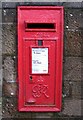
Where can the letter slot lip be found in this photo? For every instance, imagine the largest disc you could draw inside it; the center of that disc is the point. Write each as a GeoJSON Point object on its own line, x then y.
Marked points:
{"type": "Point", "coordinates": [44, 39]}
{"type": "Point", "coordinates": [39, 26]}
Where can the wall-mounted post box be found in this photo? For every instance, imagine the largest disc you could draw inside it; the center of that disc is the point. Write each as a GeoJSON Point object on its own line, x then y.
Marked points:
{"type": "Point", "coordinates": [40, 50]}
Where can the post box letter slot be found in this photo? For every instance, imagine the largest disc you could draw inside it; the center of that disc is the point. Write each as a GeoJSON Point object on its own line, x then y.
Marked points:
{"type": "Point", "coordinates": [39, 26]}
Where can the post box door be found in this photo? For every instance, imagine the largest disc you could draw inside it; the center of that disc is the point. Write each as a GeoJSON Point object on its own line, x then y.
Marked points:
{"type": "Point", "coordinates": [40, 52]}
{"type": "Point", "coordinates": [40, 67]}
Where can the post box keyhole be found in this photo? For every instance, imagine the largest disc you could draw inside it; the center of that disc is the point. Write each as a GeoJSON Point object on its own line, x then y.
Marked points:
{"type": "Point", "coordinates": [30, 77]}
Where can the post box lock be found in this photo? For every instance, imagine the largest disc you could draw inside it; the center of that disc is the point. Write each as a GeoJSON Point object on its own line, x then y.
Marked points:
{"type": "Point", "coordinates": [40, 53]}
{"type": "Point", "coordinates": [30, 78]}
{"type": "Point", "coordinates": [40, 42]}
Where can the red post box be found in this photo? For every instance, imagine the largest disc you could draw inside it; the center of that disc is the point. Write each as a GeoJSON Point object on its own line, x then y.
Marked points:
{"type": "Point", "coordinates": [40, 51]}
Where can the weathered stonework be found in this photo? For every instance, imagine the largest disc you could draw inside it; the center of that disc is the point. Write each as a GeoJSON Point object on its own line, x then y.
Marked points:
{"type": "Point", "coordinates": [9, 89]}
{"type": "Point", "coordinates": [72, 107]}
{"type": "Point", "coordinates": [9, 107]}
{"type": "Point", "coordinates": [9, 38]}
{"type": "Point", "coordinates": [9, 70]}
{"type": "Point", "coordinates": [74, 19]}
{"type": "Point", "coordinates": [72, 89]}
{"type": "Point", "coordinates": [72, 68]}
{"type": "Point", "coordinates": [9, 15]}
{"type": "Point", "coordinates": [73, 43]}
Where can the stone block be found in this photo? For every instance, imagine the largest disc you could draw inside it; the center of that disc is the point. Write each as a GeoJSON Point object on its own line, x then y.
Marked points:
{"type": "Point", "coordinates": [0, 108]}
{"type": "Point", "coordinates": [73, 43]}
{"type": "Point", "coordinates": [0, 49]}
{"type": "Point", "coordinates": [1, 34]}
{"type": "Point", "coordinates": [9, 39]}
{"type": "Point", "coordinates": [72, 68]}
{"type": "Point", "coordinates": [0, 65]}
{"type": "Point", "coordinates": [9, 69]}
{"type": "Point", "coordinates": [67, 89]}
{"type": "Point", "coordinates": [9, 89]}
{"type": "Point", "coordinates": [0, 90]}
{"type": "Point", "coordinates": [61, 118]}
{"type": "Point", "coordinates": [65, 3]}
{"type": "Point", "coordinates": [72, 4]}
{"type": "Point", "coordinates": [72, 107]}
{"type": "Point", "coordinates": [43, 115]}
{"type": "Point", "coordinates": [23, 115]}
{"type": "Point", "coordinates": [82, 4]}
{"type": "Point", "coordinates": [0, 4]}
{"type": "Point", "coordinates": [29, 2]}
{"type": "Point", "coordinates": [6, 4]}
{"type": "Point", "coordinates": [33, 115]}
{"type": "Point", "coordinates": [0, 15]}
{"type": "Point", "coordinates": [82, 89]}
{"type": "Point", "coordinates": [74, 19]}
{"type": "Point", "coordinates": [75, 118]}
{"type": "Point", "coordinates": [9, 15]}
{"type": "Point", "coordinates": [72, 90]}
{"type": "Point", "coordinates": [9, 107]}
{"type": "Point", "coordinates": [76, 90]}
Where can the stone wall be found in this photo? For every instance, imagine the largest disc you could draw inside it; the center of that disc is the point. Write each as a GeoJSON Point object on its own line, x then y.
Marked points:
{"type": "Point", "coordinates": [72, 62]}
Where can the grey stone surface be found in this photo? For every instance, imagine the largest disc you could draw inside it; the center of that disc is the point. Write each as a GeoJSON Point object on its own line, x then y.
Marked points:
{"type": "Point", "coordinates": [72, 90]}
{"type": "Point", "coordinates": [9, 15]}
{"type": "Point", "coordinates": [9, 89]}
{"type": "Point", "coordinates": [0, 4]}
{"type": "Point", "coordinates": [9, 107]}
{"type": "Point", "coordinates": [0, 48]}
{"type": "Point", "coordinates": [0, 34]}
{"type": "Point", "coordinates": [65, 3]}
{"type": "Point", "coordinates": [67, 89]}
{"type": "Point", "coordinates": [6, 4]}
{"type": "Point", "coordinates": [9, 38]}
{"type": "Point", "coordinates": [0, 65]}
{"type": "Point", "coordinates": [72, 107]}
{"type": "Point", "coordinates": [43, 115]}
{"type": "Point", "coordinates": [74, 19]}
{"type": "Point", "coordinates": [82, 89]}
{"type": "Point", "coordinates": [76, 90]}
{"type": "Point", "coordinates": [72, 68]}
{"type": "Point", "coordinates": [82, 4]}
{"type": "Point", "coordinates": [82, 107]}
{"type": "Point", "coordinates": [29, 2]}
{"type": "Point", "coordinates": [73, 43]}
{"type": "Point", "coordinates": [0, 108]}
{"type": "Point", "coordinates": [9, 71]}
{"type": "Point", "coordinates": [0, 92]}
{"type": "Point", "coordinates": [1, 76]}
{"type": "Point", "coordinates": [73, 4]}
{"type": "Point", "coordinates": [0, 15]}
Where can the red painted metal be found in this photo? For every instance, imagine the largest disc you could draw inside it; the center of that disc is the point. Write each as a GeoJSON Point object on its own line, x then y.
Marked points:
{"type": "Point", "coordinates": [40, 54]}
